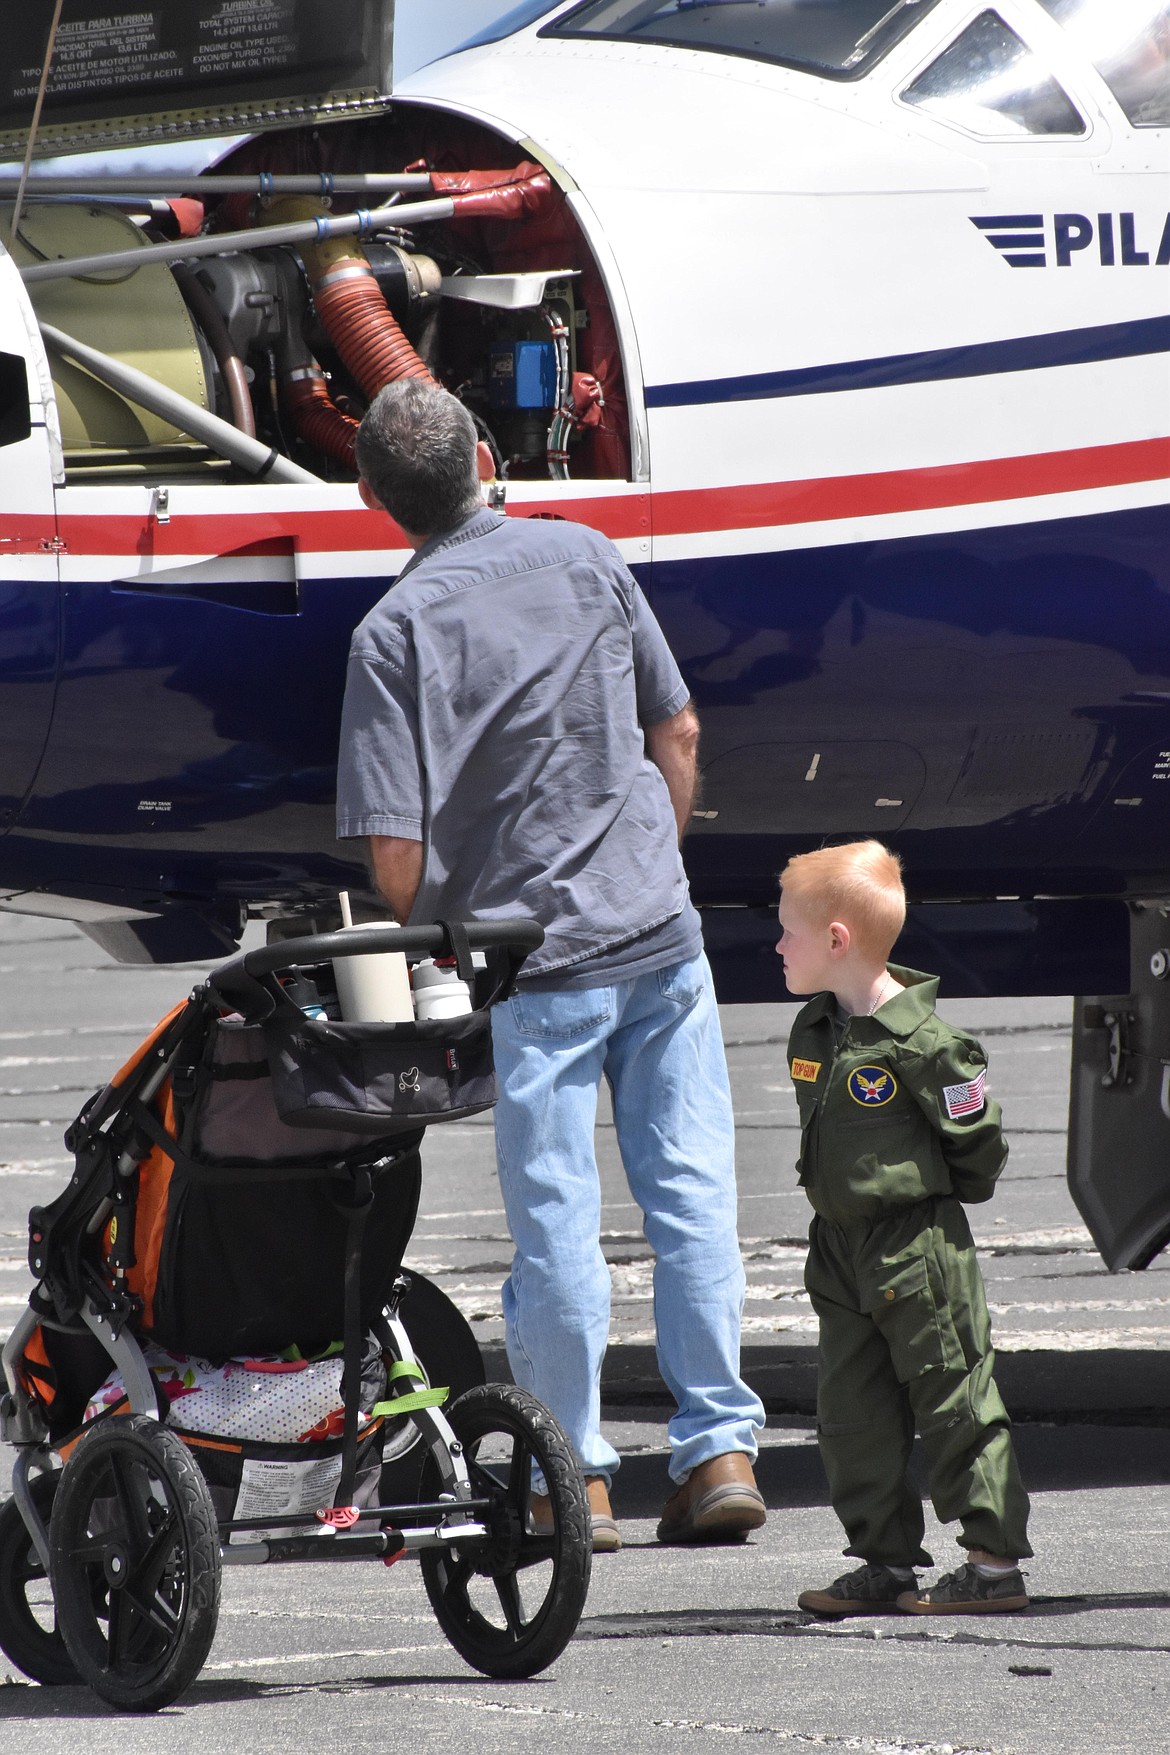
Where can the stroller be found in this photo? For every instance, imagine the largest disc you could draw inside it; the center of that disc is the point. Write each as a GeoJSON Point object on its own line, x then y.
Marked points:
{"type": "Point", "coordinates": [244, 1191]}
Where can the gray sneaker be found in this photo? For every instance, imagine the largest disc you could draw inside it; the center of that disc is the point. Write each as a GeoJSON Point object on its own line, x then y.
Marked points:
{"type": "Point", "coordinates": [967, 1592]}
{"type": "Point", "coordinates": [871, 1590]}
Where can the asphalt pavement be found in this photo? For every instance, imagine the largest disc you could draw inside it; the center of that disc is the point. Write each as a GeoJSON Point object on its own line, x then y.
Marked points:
{"type": "Point", "coordinates": [681, 1649]}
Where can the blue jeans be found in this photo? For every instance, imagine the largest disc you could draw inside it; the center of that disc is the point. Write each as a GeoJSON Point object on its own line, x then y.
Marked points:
{"type": "Point", "coordinates": [657, 1041]}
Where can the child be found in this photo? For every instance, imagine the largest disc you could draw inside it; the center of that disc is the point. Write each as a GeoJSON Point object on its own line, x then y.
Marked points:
{"type": "Point", "coordinates": [895, 1132]}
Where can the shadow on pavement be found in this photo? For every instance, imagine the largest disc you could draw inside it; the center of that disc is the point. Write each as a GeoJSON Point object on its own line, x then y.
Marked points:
{"type": "Point", "coordinates": [1053, 1459]}
{"type": "Point", "coordinates": [1113, 1386]}
{"type": "Point", "coordinates": [29, 1701]}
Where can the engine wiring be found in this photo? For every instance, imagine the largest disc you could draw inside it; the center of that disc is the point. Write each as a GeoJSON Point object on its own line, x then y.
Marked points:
{"type": "Point", "coordinates": [557, 444]}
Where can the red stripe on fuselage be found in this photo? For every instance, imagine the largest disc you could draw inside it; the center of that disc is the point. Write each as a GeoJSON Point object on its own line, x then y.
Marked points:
{"type": "Point", "coordinates": [274, 533]}
{"type": "Point", "coordinates": [910, 490]}
{"type": "Point", "coordinates": [678, 512]}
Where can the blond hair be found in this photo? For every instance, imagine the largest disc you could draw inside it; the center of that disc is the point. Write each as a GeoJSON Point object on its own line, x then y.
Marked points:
{"type": "Point", "coordinates": [859, 884]}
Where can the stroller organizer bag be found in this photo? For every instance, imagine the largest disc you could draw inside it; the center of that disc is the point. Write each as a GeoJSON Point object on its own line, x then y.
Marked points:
{"type": "Point", "coordinates": [213, 1349]}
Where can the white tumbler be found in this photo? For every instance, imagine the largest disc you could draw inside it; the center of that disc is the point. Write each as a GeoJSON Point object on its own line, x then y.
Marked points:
{"type": "Point", "coordinates": [375, 987]}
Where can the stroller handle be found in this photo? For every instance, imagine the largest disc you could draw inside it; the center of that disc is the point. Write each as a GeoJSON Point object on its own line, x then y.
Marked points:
{"type": "Point", "coordinates": [240, 981]}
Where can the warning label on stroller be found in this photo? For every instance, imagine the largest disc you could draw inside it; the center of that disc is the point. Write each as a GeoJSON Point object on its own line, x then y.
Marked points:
{"type": "Point", "coordinates": [268, 1489]}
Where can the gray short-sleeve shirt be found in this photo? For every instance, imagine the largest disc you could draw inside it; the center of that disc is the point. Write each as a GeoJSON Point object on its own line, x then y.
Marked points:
{"type": "Point", "coordinates": [494, 708]}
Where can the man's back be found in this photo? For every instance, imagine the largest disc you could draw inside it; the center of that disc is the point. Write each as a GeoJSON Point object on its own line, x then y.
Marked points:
{"type": "Point", "coordinates": [494, 709]}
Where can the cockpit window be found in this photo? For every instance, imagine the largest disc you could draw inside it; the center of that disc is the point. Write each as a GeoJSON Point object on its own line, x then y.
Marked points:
{"type": "Point", "coordinates": [1128, 42]}
{"type": "Point", "coordinates": [838, 39]}
{"type": "Point", "coordinates": [991, 83]}
{"type": "Point", "coordinates": [526, 12]}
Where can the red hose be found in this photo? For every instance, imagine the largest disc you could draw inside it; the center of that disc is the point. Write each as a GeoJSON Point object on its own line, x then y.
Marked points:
{"type": "Point", "coordinates": [317, 420]}
{"type": "Point", "coordinates": [526, 190]}
{"type": "Point", "coordinates": [368, 339]}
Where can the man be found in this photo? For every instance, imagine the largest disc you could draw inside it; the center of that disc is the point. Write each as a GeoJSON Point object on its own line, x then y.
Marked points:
{"type": "Point", "coordinates": [517, 739]}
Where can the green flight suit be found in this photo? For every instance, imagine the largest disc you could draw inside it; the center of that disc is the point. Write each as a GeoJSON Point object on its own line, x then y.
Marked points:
{"type": "Point", "coordinates": [895, 1132]}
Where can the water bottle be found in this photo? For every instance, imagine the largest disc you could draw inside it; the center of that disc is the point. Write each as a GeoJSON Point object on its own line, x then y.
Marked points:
{"type": "Point", "coordinates": [304, 995]}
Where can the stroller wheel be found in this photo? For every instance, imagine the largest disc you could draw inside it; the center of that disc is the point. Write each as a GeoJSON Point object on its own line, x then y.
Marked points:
{"type": "Point", "coordinates": [510, 1603]}
{"type": "Point", "coordinates": [28, 1618]}
{"type": "Point", "coordinates": [135, 1563]}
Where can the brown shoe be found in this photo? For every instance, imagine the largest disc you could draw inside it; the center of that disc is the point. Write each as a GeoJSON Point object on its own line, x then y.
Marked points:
{"type": "Point", "coordinates": [869, 1590]}
{"type": "Point", "coordinates": [718, 1502]}
{"type": "Point", "coordinates": [967, 1592]}
{"type": "Point", "coordinates": [606, 1537]}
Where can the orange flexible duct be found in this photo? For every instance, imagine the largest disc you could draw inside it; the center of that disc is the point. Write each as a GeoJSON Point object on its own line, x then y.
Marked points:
{"type": "Point", "coordinates": [317, 418]}
{"type": "Point", "coordinates": [350, 306]}
{"type": "Point", "coordinates": [354, 316]}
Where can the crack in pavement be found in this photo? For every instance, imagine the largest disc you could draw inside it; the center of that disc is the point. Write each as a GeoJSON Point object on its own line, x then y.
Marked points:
{"type": "Point", "coordinates": [216, 1682]}
{"type": "Point", "coordinates": [793, 1623]}
{"type": "Point", "coordinates": [796, 1739]}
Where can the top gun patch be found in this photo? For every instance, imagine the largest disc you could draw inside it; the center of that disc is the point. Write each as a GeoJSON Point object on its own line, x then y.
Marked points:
{"type": "Point", "coordinates": [808, 1070]}
{"type": "Point", "coordinates": [871, 1086]}
{"type": "Point", "coordinates": [965, 1099]}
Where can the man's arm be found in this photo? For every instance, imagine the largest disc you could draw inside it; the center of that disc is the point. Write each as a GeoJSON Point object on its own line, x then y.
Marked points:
{"type": "Point", "coordinates": [673, 747]}
{"type": "Point", "coordinates": [397, 867]}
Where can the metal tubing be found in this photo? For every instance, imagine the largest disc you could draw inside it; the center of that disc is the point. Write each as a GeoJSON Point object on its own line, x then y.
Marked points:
{"type": "Point", "coordinates": [13, 1347]}
{"type": "Point", "coordinates": [520, 932]}
{"type": "Point", "coordinates": [432, 1510]}
{"type": "Point", "coordinates": [346, 1546]}
{"type": "Point", "coordinates": [330, 1547]}
{"type": "Point", "coordinates": [231, 367]}
{"type": "Point", "coordinates": [219, 435]}
{"type": "Point", "coordinates": [127, 1356]}
{"type": "Point", "coordinates": [129, 1160]}
{"type": "Point", "coordinates": [434, 1427]}
{"type": "Point", "coordinates": [149, 1088]}
{"type": "Point", "coordinates": [305, 231]}
{"type": "Point", "coordinates": [25, 1504]}
{"type": "Point", "coordinates": [443, 1535]}
{"type": "Point", "coordinates": [262, 183]}
{"type": "Point", "coordinates": [237, 981]}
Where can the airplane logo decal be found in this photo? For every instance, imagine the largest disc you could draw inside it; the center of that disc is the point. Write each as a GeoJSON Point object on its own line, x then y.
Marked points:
{"type": "Point", "coordinates": [871, 1086]}
{"type": "Point", "coordinates": [1022, 239]}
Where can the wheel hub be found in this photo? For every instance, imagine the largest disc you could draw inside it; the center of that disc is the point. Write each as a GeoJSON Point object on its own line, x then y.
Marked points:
{"type": "Point", "coordinates": [116, 1565]}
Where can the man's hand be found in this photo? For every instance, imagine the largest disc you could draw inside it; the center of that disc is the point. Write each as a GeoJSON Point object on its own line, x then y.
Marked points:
{"type": "Point", "coordinates": [397, 867]}
{"type": "Point", "coordinates": [673, 747]}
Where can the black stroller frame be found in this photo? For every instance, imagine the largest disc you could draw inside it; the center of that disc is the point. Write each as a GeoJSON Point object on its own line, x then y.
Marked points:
{"type": "Point", "coordinates": [126, 1531]}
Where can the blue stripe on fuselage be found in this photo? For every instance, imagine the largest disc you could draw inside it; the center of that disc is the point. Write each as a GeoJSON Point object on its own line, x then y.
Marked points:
{"type": "Point", "coordinates": [1006, 684]}
{"type": "Point", "coordinates": [1025, 353]}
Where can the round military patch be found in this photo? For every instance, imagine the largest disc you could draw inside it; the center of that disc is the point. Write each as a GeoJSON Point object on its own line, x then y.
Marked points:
{"type": "Point", "coordinates": [871, 1086]}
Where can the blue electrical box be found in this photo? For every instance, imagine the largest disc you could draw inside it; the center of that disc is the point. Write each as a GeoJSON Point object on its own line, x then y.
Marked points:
{"type": "Point", "coordinates": [523, 374]}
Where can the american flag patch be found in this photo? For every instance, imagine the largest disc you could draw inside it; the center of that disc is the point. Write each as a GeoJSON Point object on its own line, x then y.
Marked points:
{"type": "Point", "coordinates": [965, 1099]}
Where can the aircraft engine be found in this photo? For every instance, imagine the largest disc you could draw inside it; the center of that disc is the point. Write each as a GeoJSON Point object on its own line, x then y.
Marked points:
{"type": "Point", "coordinates": [268, 319]}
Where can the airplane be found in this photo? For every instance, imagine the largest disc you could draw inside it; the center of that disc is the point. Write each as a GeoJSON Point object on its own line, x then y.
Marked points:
{"type": "Point", "coordinates": [847, 321]}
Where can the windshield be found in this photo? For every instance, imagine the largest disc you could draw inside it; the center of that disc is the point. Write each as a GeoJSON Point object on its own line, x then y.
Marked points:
{"type": "Point", "coordinates": [1128, 42]}
{"type": "Point", "coordinates": [513, 20]}
{"type": "Point", "coordinates": [990, 82]}
{"type": "Point", "coordinates": [838, 39]}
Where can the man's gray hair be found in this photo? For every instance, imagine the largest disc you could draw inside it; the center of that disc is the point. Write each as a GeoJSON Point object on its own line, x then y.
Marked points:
{"type": "Point", "coordinates": [416, 449]}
